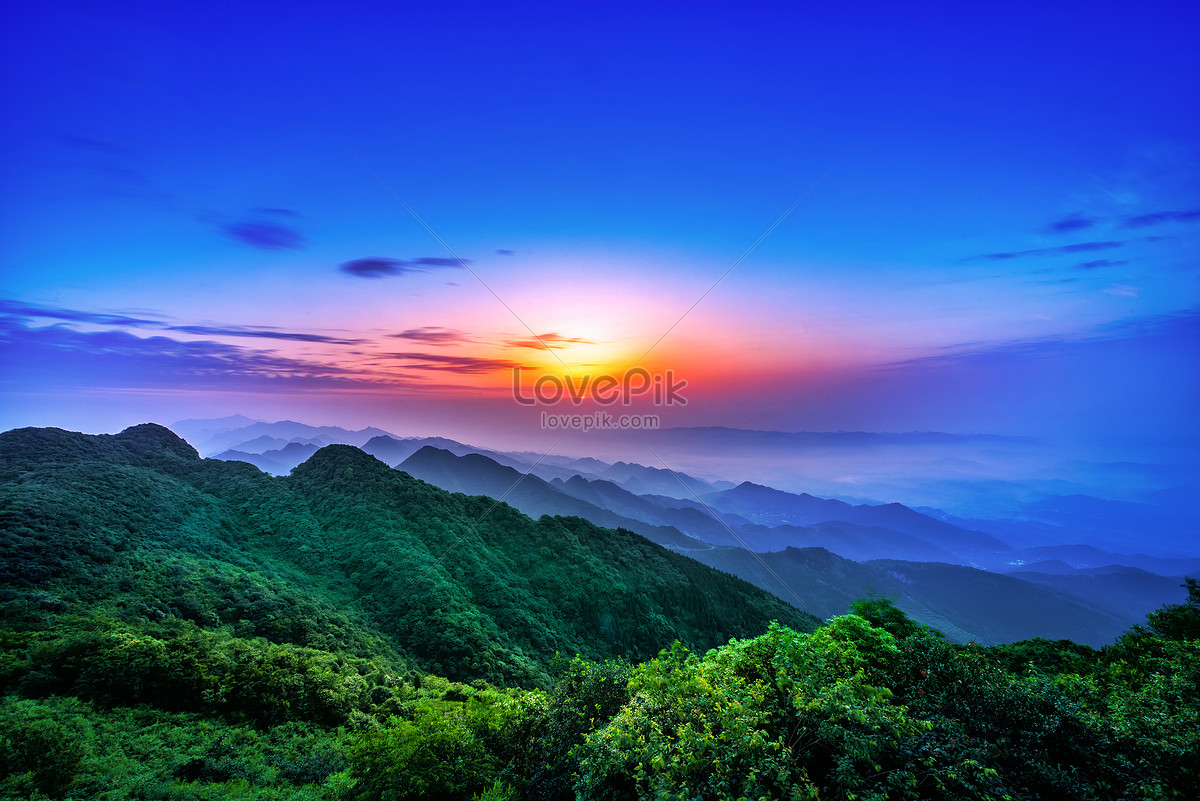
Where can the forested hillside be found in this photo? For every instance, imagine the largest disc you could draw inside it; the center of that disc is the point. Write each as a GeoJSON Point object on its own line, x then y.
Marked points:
{"type": "Point", "coordinates": [179, 628]}
{"type": "Point", "coordinates": [346, 553]}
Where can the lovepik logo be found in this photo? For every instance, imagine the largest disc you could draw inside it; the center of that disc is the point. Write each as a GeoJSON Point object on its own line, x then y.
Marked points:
{"type": "Point", "coordinates": [605, 389]}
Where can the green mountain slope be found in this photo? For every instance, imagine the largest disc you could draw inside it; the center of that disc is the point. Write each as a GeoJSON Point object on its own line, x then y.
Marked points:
{"type": "Point", "coordinates": [346, 554]}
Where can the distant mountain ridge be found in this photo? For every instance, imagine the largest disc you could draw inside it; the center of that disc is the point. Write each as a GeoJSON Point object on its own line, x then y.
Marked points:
{"type": "Point", "coordinates": [769, 506]}
{"type": "Point", "coordinates": [966, 602]}
{"type": "Point", "coordinates": [210, 438]}
{"type": "Point", "coordinates": [700, 515]}
{"type": "Point", "coordinates": [475, 474]}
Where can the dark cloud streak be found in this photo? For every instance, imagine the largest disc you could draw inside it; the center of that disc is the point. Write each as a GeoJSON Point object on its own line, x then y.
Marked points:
{"type": "Point", "coordinates": [59, 356]}
{"type": "Point", "coordinates": [381, 267]}
{"type": "Point", "coordinates": [264, 333]}
{"type": "Point", "coordinates": [265, 236]}
{"type": "Point", "coordinates": [1157, 218]}
{"type": "Point", "coordinates": [1098, 263]}
{"type": "Point", "coordinates": [18, 310]}
{"type": "Point", "coordinates": [1074, 222]}
{"type": "Point", "coordinates": [71, 315]}
{"type": "Point", "coordinates": [1079, 247]}
{"type": "Point", "coordinates": [457, 364]}
{"type": "Point", "coordinates": [433, 335]}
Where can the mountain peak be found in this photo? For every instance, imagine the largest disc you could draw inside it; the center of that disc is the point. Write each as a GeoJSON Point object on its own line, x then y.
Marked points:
{"type": "Point", "coordinates": [381, 439]}
{"type": "Point", "coordinates": [150, 438]}
{"type": "Point", "coordinates": [430, 453]}
{"type": "Point", "coordinates": [339, 461]}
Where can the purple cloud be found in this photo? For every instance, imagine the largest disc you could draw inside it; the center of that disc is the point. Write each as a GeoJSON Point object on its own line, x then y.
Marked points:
{"type": "Point", "coordinates": [59, 356]}
{"type": "Point", "coordinates": [1157, 218]}
{"type": "Point", "coordinates": [433, 335]}
{"type": "Point", "coordinates": [1080, 247]}
{"type": "Point", "coordinates": [265, 236]}
{"type": "Point", "coordinates": [1070, 223]}
{"type": "Point", "coordinates": [376, 267]}
{"type": "Point", "coordinates": [381, 267]}
{"type": "Point", "coordinates": [71, 315]}
{"type": "Point", "coordinates": [457, 364]}
{"type": "Point", "coordinates": [254, 331]}
{"type": "Point", "coordinates": [435, 261]}
{"type": "Point", "coordinates": [1098, 263]}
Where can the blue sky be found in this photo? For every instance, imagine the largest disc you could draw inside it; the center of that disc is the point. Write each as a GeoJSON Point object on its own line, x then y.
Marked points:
{"type": "Point", "coordinates": [204, 211]}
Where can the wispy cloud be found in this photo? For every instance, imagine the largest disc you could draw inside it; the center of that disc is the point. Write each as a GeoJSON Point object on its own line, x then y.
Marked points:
{"type": "Point", "coordinates": [1098, 263]}
{"type": "Point", "coordinates": [503, 252]}
{"type": "Point", "coordinates": [1183, 324]}
{"type": "Point", "coordinates": [29, 310]}
{"type": "Point", "coordinates": [1079, 247]}
{"type": "Point", "coordinates": [1073, 222]}
{"type": "Point", "coordinates": [552, 340]}
{"type": "Point", "coordinates": [439, 261]}
{"type": "Point", "coordinates": [59, 356]}
{"type": "Point", "coordinates": [1159, 217]}
{"type": "Point", "coordinates": [458, 364]}
{"type": "Point", "coordinates": [1081, 222]}
{"type": "Point", "coordinates": [381, 267]}
{"type": "Point", "coordinates": [376, 267]}
{"type": "Point", "coordinates": [265, 235]}
{"type": "Point", "coordinates": [433, 335]}
{"type": "Point", "coordinates": [259, 332]}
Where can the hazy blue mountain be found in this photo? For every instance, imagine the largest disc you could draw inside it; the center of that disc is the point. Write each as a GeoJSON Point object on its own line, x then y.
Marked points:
{"type": "Point", "coordinates": [1052, 567]}
{"type": "Point", "coordinates": [1089, 556]}
{"type": "Point", "coordinates": [853, 541]}
{"type": "Point", "coordinates": [586, 464]}
{"type": "Point", "coordinates": [214, 439]}
{"type": "Point", "coordinates": [266, 443]}
{"type": "Point", "coordinates": [636, 478]}
{"type": "Point", "coordinates": [654, 480]}
{"type": "Point", "coordinates": [476, 474]}
{"type": "Point", "coordinates": [966, 603]}
{"type": "Point", "coordinates": [263, 462]}
{"type": "Point", "coordinates": [203, 430]}
{"type": "Point", "coordinates": [718, 439]}
{"type": "Point", "coordinates": [260, 444]}
{"type": "Point", "coordinates": [694, 522]}
{"type": "Point", "coordinates": [1164, 523]}
{"type": "Point", "coordinates": [1115, 588]}
{"type": "Point", "coordinates": [1110, 522]}
{"type": "Point", "coordinates": [772, 507]}
{"type": "Point", "coordinates": [845, 539]}
{"type": "Point", "coordinates": [279, 462]}
{"type": "Point", "coordinates": [394, 450]}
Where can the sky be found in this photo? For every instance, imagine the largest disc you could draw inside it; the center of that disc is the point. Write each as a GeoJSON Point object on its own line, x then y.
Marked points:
{"type": "Point", "coordinates": [968, 218]}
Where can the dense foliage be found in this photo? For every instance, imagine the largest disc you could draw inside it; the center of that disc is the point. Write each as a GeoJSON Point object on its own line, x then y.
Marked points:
{"type": "Point", "coordinates": [176, 628]}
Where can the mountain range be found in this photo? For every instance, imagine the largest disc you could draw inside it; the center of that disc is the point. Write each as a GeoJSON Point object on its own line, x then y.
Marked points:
{"type": "Point", "coordinates": [137, 528]}
{"type": "Point", "coordinates": [968, 580]}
